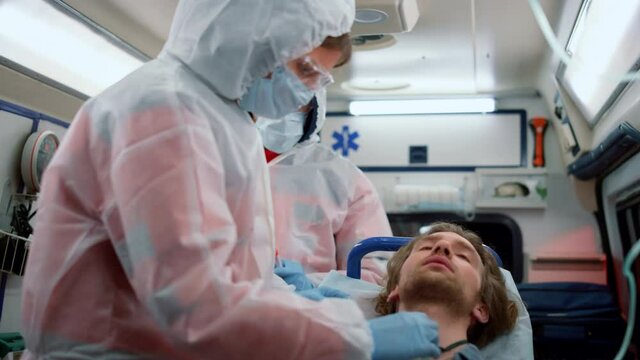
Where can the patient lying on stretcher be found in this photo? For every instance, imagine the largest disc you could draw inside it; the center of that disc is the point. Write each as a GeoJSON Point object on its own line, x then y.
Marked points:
{"type": "Point", "coordinates": [447, 274]}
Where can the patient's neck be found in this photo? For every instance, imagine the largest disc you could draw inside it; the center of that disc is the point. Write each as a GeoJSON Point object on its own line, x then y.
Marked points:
{"type": "Point", "coordinates": [451, 327]}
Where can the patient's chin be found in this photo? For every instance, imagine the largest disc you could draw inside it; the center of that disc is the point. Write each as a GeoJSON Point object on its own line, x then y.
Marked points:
{"type": "Point", "coordinates": [435, 288]}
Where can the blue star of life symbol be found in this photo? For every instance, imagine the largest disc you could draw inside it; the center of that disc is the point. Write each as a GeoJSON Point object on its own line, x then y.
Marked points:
{"type": "Point", "coordinates": [345, 140]}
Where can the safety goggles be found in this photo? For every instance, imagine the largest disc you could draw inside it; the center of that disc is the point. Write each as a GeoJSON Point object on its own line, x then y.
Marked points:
{"type": "Point", "coordinates": [312, 74]}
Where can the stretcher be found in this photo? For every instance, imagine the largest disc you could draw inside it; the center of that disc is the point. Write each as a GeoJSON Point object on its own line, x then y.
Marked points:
{"type": "Point", "coordinates": [515, 345]}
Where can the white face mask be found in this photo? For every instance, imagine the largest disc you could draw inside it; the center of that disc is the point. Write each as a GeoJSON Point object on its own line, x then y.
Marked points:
{"type": "Point", "coordinates": [281, 135]}
{"type": "Point", "coordinates": [283, 93]}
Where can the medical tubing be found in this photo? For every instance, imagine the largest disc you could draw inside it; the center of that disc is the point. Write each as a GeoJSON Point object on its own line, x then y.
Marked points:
{"type": "Point", "coordinates": [628, 262]}
{"type": "Point", "coordinates": [558, 49]}
{"type": "Point", "coordinates": [547, 31]}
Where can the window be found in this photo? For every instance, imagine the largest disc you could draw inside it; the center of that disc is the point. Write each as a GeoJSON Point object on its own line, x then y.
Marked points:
{"type": "Point", "coordinates": [603, 48]}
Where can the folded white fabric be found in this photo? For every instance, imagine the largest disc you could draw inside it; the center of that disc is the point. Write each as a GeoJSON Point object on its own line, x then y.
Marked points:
{"type": "Point", "coordinates": [362, 292]}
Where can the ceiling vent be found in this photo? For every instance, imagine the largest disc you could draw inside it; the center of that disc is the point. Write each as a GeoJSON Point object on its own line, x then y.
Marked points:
{"type": "Point", "coordinates": [385, 16]}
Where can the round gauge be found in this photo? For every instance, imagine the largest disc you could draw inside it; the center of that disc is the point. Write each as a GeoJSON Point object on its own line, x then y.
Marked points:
{"type": "Point", "coordinates": [36, 154]}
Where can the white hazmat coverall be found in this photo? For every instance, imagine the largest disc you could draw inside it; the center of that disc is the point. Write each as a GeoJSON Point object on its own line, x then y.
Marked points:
{"type": "Point", "coordinates": [154, 236]}
{"type": "Point", "coordinates": [324, 205]}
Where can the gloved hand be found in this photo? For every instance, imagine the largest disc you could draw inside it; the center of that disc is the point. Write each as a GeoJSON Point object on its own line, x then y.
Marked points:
{"type": "Point", "coordinates": [293, 274]}
{"type": "Point", "coordinates": [322, 292]}
{"type": "Point", "coordinates": [404, 335]}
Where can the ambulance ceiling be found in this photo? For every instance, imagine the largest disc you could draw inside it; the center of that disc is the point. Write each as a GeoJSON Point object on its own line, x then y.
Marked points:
{"type": "Point", "coordinates": [457, 46]}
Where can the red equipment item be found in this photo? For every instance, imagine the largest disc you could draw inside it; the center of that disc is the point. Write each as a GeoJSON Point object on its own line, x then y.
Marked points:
{"type": "Point", "coordinates": [539, 126]}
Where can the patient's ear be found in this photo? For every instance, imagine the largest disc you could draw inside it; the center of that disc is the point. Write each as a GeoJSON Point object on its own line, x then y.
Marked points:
{"type": "Point", "coordinates": [480, 313]}
{"type": "Point", "coordinates": [394, 295]}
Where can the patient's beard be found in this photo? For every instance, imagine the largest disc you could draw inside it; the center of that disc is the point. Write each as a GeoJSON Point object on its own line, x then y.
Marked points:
{"type": "Point", "coordinates": [435, 288]}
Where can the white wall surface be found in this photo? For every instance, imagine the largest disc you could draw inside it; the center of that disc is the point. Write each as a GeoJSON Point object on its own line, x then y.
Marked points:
{"type": "Point", "coordinates": [56, 128]}
{"type": "Point", "coordinates": [564, 228]}
{"type": "Point", "coordinates": [22, 90]}
{"type": "Point", "coordinates": [451, 139]}
{"type": "Point", "coordinates": [14, 131]}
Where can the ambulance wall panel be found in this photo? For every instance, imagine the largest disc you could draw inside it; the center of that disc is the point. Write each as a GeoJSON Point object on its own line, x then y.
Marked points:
{"type": "Point", "coordinates": [450, 140]}
{"type": "Point", "coordinates": [16, 124]}
{"type": "Point", "coordinates": [58, 128]}
{"type": "Point", "coordinates": [14, 130]}
{"type": "Point", "coordinates": [563, 228]}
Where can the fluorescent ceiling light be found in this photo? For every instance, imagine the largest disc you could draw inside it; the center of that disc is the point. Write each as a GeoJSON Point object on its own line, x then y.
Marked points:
{"type": "Point", "coordinates": [429, 106]}
{"type": "Point", "coordinates": [47, 41]}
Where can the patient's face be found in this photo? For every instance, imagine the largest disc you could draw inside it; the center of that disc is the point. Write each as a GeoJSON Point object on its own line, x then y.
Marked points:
{"type": "Point", "coordinates": [442, 268]}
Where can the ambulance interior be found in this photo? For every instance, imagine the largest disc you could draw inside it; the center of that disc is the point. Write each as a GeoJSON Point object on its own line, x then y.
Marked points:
{"type": "Point", "coordinates": [519, 119]}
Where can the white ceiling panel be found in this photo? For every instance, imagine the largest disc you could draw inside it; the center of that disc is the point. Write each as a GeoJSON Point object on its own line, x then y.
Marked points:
{"type": "Point", "coordinates": [142, 23]}
{"type": "Point", "coordinates": [436, 57]}
{"type": "Point", "coordinates": [157, 21]}
{"type": "Point", "coordinates": [510, 47]}
{"type": "Point", "coordinates": [461, 47]}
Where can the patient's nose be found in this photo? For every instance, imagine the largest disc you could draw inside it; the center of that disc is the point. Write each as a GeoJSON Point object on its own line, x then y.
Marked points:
{"type": "Point", "coordinates": [442, 247]}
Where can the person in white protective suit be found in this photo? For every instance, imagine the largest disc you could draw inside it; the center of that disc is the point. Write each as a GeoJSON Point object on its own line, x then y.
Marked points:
{"type": "Point", "coordinates": [323, 204]}
{"type": "Point", "coordinates": [154, 236]}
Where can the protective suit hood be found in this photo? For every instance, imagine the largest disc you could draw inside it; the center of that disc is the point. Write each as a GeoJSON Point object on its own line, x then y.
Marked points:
{"type": "Point", "coordinates": [206, 37]}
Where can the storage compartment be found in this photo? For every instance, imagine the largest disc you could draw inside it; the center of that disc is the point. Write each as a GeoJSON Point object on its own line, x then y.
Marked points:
{"type": "Point", "coordinates": [511, 188]}
{"type": "Point", "coordinates": [573, 320]}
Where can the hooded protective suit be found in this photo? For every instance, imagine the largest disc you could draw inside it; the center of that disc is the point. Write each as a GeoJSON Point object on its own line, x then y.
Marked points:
{"type": "Point", "coordinates": [324, 205]}
{"type": "Point", "coordinates": [154, 236]}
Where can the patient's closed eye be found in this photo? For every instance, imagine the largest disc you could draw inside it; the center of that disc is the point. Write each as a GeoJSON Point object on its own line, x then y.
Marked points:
{"type": "Point", "coordinates": [428, 247]}
{"type": "Point", "coordinates": [465, 257]}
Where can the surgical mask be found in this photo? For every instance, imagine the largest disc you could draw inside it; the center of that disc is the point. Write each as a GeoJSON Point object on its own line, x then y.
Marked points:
{"type": "Point", "coordinates": [274, 98]}
{"type": "Point", "coordinates": [281, 135]}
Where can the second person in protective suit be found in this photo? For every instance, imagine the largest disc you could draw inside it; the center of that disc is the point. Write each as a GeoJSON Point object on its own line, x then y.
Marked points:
{"type": "Point", "coordinates": [323, 204]}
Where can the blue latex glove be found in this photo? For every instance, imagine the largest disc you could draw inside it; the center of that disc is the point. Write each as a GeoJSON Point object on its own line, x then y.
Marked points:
{"type": "Point", "coordinates": [293, 274]}
{"type": "Point", "coordinates": [404, 335]}
{"type": "Point", "coordinates": [322, 292]}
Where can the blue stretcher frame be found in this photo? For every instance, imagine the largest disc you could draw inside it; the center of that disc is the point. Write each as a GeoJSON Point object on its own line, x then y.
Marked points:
{"type": "Point", "coordinates": [384, 244]}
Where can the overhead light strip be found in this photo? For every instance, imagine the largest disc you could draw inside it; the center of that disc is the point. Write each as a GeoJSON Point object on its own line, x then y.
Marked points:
{"type": "Point", "coordinates": [57, 46]}
{"type": "Point", "coordinates": [426, 106]}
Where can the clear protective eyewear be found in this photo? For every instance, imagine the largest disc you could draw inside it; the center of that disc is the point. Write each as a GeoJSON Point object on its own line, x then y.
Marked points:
{"type": "Point", "coordinates": [312, 74]}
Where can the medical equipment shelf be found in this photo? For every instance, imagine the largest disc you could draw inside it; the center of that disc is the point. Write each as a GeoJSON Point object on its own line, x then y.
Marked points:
{"type": "Point", "coordinates": [511, 171]}
{"type": "Point", "coordinates": [510, 203]}
{"type": "Point", "coordinates": [518, 188]}
{"type": "Point", "coordinates": [412, 198]}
